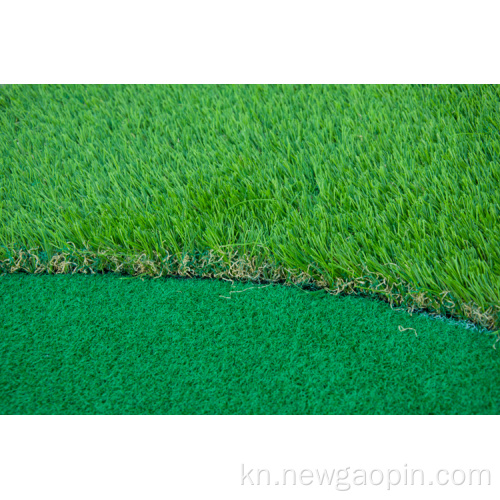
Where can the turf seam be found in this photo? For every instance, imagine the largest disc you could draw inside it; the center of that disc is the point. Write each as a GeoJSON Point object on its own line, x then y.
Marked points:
{"type": "Point", "coordinates": [232, 265]}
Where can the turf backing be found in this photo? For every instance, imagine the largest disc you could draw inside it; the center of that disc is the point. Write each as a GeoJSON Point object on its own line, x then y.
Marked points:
{"type": "Point", "coordinates": [109, 344]}
{"type": "Point", "coordinates": [392, 189]}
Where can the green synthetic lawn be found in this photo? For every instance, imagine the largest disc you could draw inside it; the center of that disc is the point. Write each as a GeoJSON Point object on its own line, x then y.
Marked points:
{"type": "Point", "coordinates": [392, 190]}
{"type": "Point", "coordinates": [388, 191]}
{"type": "Point", "coordinates": [109, 344]}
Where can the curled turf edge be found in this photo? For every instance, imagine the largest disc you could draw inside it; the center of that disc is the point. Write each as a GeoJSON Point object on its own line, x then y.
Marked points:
{"type": "Point", "coordinates": [234, 266]}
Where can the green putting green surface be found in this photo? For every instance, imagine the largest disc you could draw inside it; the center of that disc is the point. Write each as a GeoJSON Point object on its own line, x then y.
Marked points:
{"type": "Point", "coordinates": [77, 344]}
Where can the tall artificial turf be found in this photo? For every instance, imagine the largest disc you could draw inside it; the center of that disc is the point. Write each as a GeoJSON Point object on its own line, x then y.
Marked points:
{"type": "Point", "coordinates": [114, 344]}
{"type": "Point", "coordinates": [388, 190]}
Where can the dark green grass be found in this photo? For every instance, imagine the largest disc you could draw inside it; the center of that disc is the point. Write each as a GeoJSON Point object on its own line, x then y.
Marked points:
{"type": "Point", "coordinates": [337, 181]}
{"type": "Point", "coordinates": [105, 344]}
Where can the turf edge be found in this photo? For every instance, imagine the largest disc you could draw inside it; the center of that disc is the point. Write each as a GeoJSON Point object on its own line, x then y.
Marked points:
{"type": "Point", "coordinates": [234, 266]}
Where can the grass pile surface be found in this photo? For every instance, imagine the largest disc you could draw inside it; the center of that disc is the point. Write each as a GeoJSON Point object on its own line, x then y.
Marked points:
{"type": "Point", "coordinates": [109, 344]}
{"type": "Point", "coordinates": [388, 190]}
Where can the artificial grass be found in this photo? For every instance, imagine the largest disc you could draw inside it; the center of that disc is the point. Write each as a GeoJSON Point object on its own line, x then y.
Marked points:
{"type": "Point", "coordinates": [392, 190]}
{"type": "Point", "coordinates": [108, 344]}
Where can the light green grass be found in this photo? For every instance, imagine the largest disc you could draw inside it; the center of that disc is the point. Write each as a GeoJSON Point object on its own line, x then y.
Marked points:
{"type": "Point", "coordinates": [392, 190]}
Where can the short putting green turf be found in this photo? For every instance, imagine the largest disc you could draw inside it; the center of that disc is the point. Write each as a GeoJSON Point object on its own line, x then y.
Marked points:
{"type": "Point", "coordinates": [76, 344]}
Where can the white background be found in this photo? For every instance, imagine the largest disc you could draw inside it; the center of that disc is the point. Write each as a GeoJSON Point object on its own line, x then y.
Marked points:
{"type": "Point", "coordinates": [242, 42]}
{"type": "Point", "coordinates": [258, 41]}
{"type": "Point", "coordinates": [200, 457]}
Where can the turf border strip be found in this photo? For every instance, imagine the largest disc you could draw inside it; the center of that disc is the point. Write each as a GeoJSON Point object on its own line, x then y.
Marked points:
{"type": "Point", "coordinates": [234, 266]}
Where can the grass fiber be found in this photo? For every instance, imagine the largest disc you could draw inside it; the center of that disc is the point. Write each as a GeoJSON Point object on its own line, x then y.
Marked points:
{"type": "Point", "coordinates": [388, 190]}
{"type": "Point", "coordinates": [339, 192]}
